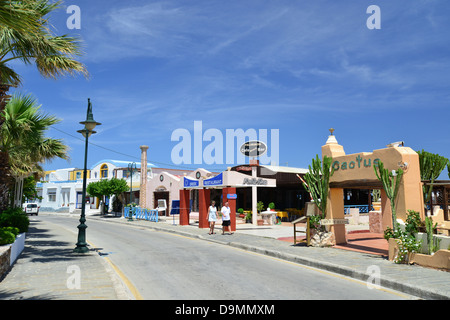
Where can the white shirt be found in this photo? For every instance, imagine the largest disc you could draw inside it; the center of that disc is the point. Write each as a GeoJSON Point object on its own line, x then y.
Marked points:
{"type": "Point", "coordinates": [226, 213]}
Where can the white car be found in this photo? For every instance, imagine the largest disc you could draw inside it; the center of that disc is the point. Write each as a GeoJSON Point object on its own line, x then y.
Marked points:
{"type": "Point", "coordinates": [31, 208]}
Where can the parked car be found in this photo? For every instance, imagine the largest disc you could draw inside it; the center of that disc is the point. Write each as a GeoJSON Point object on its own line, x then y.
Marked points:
{"type": "Point", "coordinates": [31, 208]}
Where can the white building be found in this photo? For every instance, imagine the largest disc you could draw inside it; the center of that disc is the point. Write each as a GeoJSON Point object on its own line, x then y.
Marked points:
{"type": "Point", "coordinates": [61, 190]}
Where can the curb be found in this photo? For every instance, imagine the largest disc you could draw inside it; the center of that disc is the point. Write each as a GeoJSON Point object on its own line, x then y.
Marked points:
{"type": "Point", "coordinates": [344, 271]}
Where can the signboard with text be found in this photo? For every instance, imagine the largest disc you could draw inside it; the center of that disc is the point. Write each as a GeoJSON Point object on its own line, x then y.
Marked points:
{"type": "Point", "coordinates": [190, 183]}
{"type": "Point", "coordinates": [253, 148]}
{"type": "Point", "coordinates": [214, 181]}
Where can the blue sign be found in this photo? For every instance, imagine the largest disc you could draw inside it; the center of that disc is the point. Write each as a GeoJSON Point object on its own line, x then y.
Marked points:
{"type": "Point", "coordinates": [175, 207]}
{"type": "Point", "coordinates": [189, 183]}
{"type": "Point", "coordinates": [214, 181]}
{"type": "Point", "coordinates": [231, 196]}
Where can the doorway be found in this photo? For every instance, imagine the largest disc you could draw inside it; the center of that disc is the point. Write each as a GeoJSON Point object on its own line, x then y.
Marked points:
{"type": "Point", "coordinates": [160, 195]}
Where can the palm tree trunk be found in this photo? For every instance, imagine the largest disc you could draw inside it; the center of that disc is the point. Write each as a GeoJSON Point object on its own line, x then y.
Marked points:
{"type": "Point", "coordinates": [5, 173]}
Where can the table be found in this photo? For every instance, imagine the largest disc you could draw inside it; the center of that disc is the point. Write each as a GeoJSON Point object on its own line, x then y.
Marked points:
{"type": "Point", "coordinates": [283, 214]}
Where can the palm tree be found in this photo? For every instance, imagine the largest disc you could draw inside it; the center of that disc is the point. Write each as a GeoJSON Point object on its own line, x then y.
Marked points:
{"type": "Point", "coordinates": [31, 43]}
{"type": "Point", "coordinates": [23, 137]}
{"type": "Point", "coordinates": [14, 15]}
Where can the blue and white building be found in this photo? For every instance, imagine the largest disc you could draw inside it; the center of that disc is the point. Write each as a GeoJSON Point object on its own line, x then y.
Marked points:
{"type": "Point", "coordinates": [61, 190]}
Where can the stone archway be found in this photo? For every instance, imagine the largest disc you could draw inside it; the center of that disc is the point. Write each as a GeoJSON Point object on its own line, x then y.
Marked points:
{"type": "Point", "coordinates": [357, 171]}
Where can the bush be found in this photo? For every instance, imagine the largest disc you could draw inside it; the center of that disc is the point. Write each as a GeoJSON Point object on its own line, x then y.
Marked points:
{"type": "Point", "coordinates": [15, 231]}
{"type": "Point", "coordinates": [260, 206]}
{"type": "Point", "coordinates": [14, 217]}
{"type": "Point", "coordinates": [6, 236]}
{"type": "Point", "coordinates": [412, 222]}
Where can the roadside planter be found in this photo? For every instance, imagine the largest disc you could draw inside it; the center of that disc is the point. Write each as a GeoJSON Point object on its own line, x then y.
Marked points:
{"type": "Point", "coordinates": [439, 259]}
{"type": "Point", "coordinates": [17, 247]}
{"type": "Point", "coordinates": [10, 252]}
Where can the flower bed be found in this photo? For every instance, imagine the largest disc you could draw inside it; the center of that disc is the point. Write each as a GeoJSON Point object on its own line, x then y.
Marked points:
{"type": "Point", "coordinates": [439, 260]}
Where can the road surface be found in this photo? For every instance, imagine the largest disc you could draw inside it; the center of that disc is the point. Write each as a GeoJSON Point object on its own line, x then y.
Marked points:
{"type": "Point", "coordinates": [159, 265]}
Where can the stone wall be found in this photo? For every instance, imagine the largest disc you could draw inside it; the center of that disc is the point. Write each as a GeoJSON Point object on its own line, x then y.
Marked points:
{"type": "Point", "coordinates": [322, 238]}
{"type": "Point", "coordinates": [5, 256]}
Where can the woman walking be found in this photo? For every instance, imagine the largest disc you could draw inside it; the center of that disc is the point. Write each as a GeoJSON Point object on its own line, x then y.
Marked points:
{"type": "Point", "coordinates": [212, 216]}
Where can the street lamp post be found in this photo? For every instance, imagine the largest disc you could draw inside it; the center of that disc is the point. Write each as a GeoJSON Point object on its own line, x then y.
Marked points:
{"type": "Point", "coordinates": [88, 129]}
{"type": "Point", "coordinates": [131, 168]}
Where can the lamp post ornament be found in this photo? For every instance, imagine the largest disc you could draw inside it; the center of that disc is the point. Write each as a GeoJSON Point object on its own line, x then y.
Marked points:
{"type": "Point", "coordinates": [89, 125]}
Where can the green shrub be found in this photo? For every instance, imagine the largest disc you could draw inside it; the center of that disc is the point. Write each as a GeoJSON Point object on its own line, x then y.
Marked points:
{"type": "Point", "coordinates": [260, 206]}
{"type": "Point", "coordinates": [314, 222]}
{"type": "Point", "coordinates": [15, 231]}
{"type": "Point", "coordinates": [6, 237]}
{"type": "Point", "coordinates": [14, 217]}
{"type": "Point", "coordinates": [412, 222]}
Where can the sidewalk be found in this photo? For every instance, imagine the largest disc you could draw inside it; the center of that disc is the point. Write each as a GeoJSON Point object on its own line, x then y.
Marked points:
{"type": "Point", "coordinates": [415, 280]}
{"type": "Point", "coordinates": [37, 273]}
{"type": "Point", "coordinates": [48, 269]}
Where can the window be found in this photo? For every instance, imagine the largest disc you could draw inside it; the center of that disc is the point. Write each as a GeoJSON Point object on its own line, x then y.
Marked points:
{"type": "Point", "coordinates": [78, 175]}
{"type": "Point", "coordinates": [51, 195]}
{"type": "Point", "coordinates": [104, 171]}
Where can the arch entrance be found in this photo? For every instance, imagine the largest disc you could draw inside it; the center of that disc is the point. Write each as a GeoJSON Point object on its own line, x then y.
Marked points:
{"type": "Point", "coordinates": [356, 170]}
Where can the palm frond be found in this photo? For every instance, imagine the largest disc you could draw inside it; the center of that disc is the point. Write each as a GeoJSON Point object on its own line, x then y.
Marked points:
{"type": "Point", "coordinates": [18, 15]}
{"type": "Point", "coordinates": [8, 76]}
{"type": "Point", "coordinates": [23, 135]}
{"type": "Point", "coordinates": [54, 56]}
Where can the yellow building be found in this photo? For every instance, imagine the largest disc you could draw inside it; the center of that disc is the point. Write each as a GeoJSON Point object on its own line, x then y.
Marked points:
{"type": "Point", "coordinates": [78, 174]}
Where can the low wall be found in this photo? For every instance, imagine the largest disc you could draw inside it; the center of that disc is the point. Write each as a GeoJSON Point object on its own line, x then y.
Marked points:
{"type": "Point", "coordinates": [17, 247]}
{"type": "Point", "coordinates": [440, 259]}
{"type": "Point", "coordinates": [443, 244]}
{"type": "Point", "coordinates": [5, 255]}
{"type": "Point", "coordinates": [10, 252]}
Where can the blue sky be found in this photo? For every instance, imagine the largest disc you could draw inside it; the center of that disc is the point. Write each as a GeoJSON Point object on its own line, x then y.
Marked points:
{"type": "Point", "coordinates": [301, 67]}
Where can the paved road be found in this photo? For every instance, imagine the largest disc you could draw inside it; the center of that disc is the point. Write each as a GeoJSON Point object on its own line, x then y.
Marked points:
{"type": "Point", "coordinates": [159, 265]}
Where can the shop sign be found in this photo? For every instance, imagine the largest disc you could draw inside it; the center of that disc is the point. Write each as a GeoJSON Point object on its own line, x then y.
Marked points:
{"type": "Point", "coordinates": [243, 168]}
{"type": "Point", "coordinates": [231, 196]}
{"type": "Point", "coordinates": [330, 222]}
{"type": "Point", "coordinates": [253, 148]}
{"type": "Point", "coordinates": [189, 183]}
{"type": "Point", "coordinates": [214, 181]}
{"type": "Point", "coordinates": [356, 164]}
{"type": "Point", "coordinates": [255, 182]}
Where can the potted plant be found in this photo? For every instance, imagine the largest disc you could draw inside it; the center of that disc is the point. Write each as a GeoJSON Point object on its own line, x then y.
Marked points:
{"type": "Point", "coordinates": [241, 213]}
{"type": "Point", "coordinates": [248, 217]}
{"type": "Point", "coordinates": [376, 199]}
{"type": "Point", "coordinates": [260, 206]}
{"type": "Point", "coordinates": [272, 206]}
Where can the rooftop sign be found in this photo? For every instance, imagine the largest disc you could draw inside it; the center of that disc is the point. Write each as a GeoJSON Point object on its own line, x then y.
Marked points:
{"type": "Point", "coordinates": [253, 148]}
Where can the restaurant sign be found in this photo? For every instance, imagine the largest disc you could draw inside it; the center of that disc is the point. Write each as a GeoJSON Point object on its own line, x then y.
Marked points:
{"type": "Point", "coordinates": [359, 162]}
{"type": "Point", "coordinates": [214, 181]}
{"type": "Point", "coordinates": [255, 182]}
{"type": "Point", "coordinates": [253, 148]}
